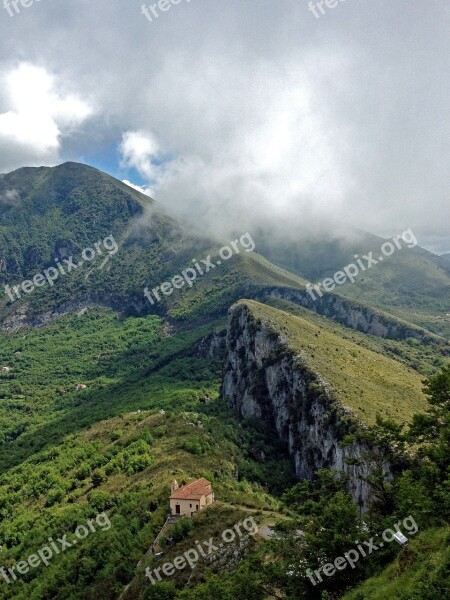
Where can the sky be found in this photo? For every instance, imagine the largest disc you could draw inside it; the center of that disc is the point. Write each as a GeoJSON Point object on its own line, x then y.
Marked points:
{"type": "Point", "coordinates": [235, 113]}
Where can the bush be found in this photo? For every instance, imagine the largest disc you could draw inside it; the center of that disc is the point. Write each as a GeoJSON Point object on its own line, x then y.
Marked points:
{"type": "Point", "coordinates": [137, 464]}
{"type": "Point", "coordinates": [160, 591]}
{"type": "Point", "coordinates": [196, 446]}
{"type": "Point", "coordinates": [83, 472]}
{"type": "Point", "coordinates": [100, 500]}
{"type": "Point", "coordinates": [98, 477]}
{"type": "Point", "coordinates": [181, 529]}
{"type": "Point", "coordinates": [55, 495]}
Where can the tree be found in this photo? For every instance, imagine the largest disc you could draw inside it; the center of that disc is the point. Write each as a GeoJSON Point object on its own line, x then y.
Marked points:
{"type": "Point", "coordinates": [160, 591]}
{"type": "Point", "coordinates": [329, 522]}
{"type": "Point", "coordinates": [309, 498]}
{"type": "Point", "coordinates": [98, 477]}
{"type": "Point", "coordinates": [425, 489]}
{"type": "Point", "coordinates": [432, 430]}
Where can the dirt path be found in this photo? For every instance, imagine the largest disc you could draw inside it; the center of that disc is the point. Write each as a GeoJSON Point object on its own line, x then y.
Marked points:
{"type": "Point", "coordinates": [269, 513]}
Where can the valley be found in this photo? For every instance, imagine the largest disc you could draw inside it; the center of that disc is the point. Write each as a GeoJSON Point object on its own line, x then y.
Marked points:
{"type": "Point", "coordinates": [309, 416]}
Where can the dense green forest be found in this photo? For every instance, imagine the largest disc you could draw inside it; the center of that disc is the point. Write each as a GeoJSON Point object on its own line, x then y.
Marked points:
{"type": "Point", "coordinates": [151, 411]}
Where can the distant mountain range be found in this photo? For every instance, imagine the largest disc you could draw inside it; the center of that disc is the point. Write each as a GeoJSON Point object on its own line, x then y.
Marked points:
{"type": "Point", "coordinates": [134, 349]}
{"type": "Point", "coordinates": [54, 213]}
{"type": "Point", "coordinates": [444, 260]}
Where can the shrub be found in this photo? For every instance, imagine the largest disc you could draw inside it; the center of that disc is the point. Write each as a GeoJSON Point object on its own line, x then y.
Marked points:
{"type": "Point", "coordinates": [181, 529]}
{"type": "Point", "coordinates": [196, 446]}
{"type": "Point", "coordinates": [160, 591]}
{"type": "Point", "coordinates": [100, 500]}
{"type": "Point", "coordinates": [98, 477]}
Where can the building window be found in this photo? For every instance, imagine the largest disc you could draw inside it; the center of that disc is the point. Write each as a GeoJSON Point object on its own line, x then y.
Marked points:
{"type": "Point", "coordinates": [190, 505]}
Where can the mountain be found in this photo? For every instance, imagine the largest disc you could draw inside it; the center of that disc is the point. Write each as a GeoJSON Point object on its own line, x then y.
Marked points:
{"type": "Point", "coordinates": [295, 408]}
{"type": "Point", "coordinates": [54, 214]}
{"type": "Point", "coordinates": [59, 213]}
{"type": "Point", "coordinates": [411, 282]}
{"type": "Point", "coordinates": [444, 261]}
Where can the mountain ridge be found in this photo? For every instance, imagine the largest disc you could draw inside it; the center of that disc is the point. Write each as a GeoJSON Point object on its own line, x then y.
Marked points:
{"type": "Point", "coordinates": [105, 397]}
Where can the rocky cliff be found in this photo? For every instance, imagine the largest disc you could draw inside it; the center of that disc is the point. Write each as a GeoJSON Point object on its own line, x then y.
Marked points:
{"type": "Point", "coordinates": [357, 316]}
{"type": "Point", "coordinates": [264, 378]}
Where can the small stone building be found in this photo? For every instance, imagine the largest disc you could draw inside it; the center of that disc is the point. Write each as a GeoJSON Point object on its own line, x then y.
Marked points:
{"type": "Point", "coordinates": [191, 498]}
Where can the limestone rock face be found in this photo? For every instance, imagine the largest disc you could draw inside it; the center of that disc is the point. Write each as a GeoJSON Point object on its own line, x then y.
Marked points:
{"type": "Point", "coordinates": [264, 379]}
{"type": "Point", "coordinates": [355, 315]}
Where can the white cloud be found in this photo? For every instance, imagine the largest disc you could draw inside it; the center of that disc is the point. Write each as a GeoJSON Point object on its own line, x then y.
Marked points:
{"type": "Point", "coordinates": [9, 198]}
{"type": "Point", "coordinates": [139, 188]}
{"type": "Point", "coordinates": [261, 109]}
{"type": "Point", "coordinates": [37, 118]}
{"type": "Point", "coordinates": [278, 152]}
{"type": "Point", "coordinates": [138, 150]}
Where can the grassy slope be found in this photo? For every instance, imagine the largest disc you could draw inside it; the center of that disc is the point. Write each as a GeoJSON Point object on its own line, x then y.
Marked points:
{"type": "Point", "coordinates": [216, 291]}
{"type": "Point", "coordinates": [412, 283]}
{"type": "Point", "coordinates": [71, 207]}
{"type": "Point", "coordinates": [365, 381]}
{"type": "Point", "coordinates": [128, 364]}
{"type": "Point", "coordinates": [138, 455]}
{"type": "Point", "coordinates": [414, 573]}
{"type": "Point", "coordinates": [426, 359]}
{"type": "Point", "coordinates": [209, 524]}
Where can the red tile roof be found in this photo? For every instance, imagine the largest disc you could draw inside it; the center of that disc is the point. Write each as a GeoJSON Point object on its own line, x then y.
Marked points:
{"type": "Point", "coordinates": [193, 491]}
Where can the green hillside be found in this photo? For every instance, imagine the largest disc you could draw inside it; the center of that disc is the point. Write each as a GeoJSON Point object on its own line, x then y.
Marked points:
{"type": "Point", "coordinates": [425, 359]}
{"type": "Point", "coordinates": [366, 382]}
{"type": "Point", "coordinates": [125, 363]}
{"type": "Point", "coordinates": [64, 210]}
{"type": "Point", "coordinates": [106, 397]}
{"type": "Point", "coordinates": [413, 283]}
{"type": "Point", "coordinates": [150, 412]}
{"type": "Point", "coordinates": [420, 572]}
{"type": "Point", "coordinates": [123, 467]}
